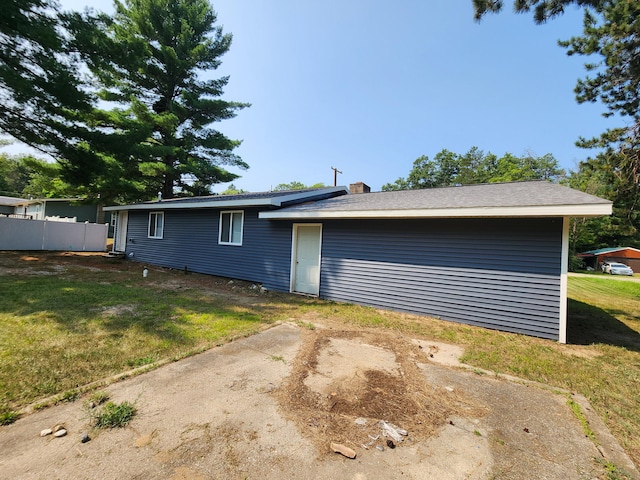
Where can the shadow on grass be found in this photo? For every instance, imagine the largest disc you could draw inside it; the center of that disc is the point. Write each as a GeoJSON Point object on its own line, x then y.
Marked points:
{"type": "Point", "coordinates": [588, 324]}
{"type": "Point", "coordinates": [75, 305]}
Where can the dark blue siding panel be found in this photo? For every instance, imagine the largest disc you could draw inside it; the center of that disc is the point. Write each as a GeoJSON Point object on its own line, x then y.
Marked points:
{"type": "Point", "coordinates": [496, 273]}
{"type": "Point", "coordinates": [191, 240]}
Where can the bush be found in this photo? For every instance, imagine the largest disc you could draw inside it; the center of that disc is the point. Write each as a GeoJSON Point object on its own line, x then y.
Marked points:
{"type": "Point", "coordinates": [576, 263]}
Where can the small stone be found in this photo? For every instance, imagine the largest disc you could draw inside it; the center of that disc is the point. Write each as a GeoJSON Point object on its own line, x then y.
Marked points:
{"type": "Point", "coordinates": [343, 450]}
{"type": "Point", "coordinates": [60, 433]}
{"type": "Point", "coordinates": [92, 405]}
{"type": "Point", "coordinates": [45, 432]}
{"type": "Point", "coordinates": [449, 389]}
{"type": "Point", "coordinates": [361, 421]}
{"type": "Point", "coordinates": [85, 438]}
{"type": "Point", "coordinates": [380, 447]}
{"type": "Point", "coordinates": [390, 444]}
{"type": "Point", "coordinates": [58, 427]}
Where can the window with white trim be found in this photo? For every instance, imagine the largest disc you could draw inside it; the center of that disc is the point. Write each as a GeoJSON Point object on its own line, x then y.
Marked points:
{"type": "Point", "coordinates": [231, 228]}
{"type": "Point", "coordinates": [156, 224]}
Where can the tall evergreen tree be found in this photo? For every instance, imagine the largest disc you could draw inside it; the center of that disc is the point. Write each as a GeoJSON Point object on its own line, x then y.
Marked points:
{"type": "Point", "coordinates": [41, 91]}
{"type": "Point", "coordinates": [150, 58]}
{"type": "Point", "coordinates": [543, 10]}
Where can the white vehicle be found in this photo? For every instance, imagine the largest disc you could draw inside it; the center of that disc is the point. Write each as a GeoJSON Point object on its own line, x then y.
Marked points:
{"type": "Point", "coordinates": [616, 268]}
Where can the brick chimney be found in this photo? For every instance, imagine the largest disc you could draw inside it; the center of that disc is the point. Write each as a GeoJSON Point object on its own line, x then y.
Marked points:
{"type": "Point", "coordinates": [359, 187]}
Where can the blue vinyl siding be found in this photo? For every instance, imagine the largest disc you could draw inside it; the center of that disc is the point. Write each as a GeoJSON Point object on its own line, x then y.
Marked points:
{"type": "Point", "coordinates": [496, 273]}
{"type": "Point", "coordinates": [190, 239]}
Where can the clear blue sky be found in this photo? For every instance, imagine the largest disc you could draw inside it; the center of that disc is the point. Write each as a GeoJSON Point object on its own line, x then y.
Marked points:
{"type": "Point", "coordinates": [368, 86]}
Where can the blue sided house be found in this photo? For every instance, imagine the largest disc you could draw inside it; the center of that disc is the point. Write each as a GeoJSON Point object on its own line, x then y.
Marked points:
{"type": "Point", "coordinates": [492, 255]}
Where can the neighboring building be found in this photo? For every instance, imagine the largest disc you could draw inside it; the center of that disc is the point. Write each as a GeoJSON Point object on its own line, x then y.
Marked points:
{"type": "Point", "coordinates": [7, 205]}
{"type": "Point", "coordinates": [61, 208]}
{"type": "Point", "coordinates": [490, 255]}
{"type": "Point", "coordinates": [628, 255]}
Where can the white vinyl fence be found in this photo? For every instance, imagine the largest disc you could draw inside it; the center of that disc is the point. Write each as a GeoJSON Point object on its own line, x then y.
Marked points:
{"type": "Point", "coordinates": [22, 234]}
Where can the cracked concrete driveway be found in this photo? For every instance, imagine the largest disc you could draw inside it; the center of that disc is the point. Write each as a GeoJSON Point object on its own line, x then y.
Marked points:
{"type": "Point", "coordinates": [269, 406]}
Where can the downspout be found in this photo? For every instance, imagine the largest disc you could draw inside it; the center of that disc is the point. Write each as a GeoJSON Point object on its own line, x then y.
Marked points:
{"type": "Point", "coordinates": [564, 267]}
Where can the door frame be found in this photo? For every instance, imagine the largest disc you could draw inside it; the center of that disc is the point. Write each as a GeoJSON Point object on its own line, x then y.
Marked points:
{"type": "Point", "coordinates": [120, 236]}
{"type": "Point", "coordinates": [294, 256]}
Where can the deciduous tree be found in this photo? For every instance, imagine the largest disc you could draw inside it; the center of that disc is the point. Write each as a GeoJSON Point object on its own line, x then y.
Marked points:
{"type": "Point", "coordinates": [296, 185]}
{"type": "Point", "coordinates": [448, 168]}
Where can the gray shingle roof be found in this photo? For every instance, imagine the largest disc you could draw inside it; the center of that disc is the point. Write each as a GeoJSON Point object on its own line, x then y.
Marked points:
{"type": "Point", "coordinates": [475, 200]}
{"type": "Point", "coordinates": [10, 201]}
{"type": "Point", "coordinates": [230, 198]}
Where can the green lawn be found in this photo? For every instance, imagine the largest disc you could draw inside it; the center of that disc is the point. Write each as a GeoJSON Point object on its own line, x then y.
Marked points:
{"type": "Point", "coordinates": [66, 321]}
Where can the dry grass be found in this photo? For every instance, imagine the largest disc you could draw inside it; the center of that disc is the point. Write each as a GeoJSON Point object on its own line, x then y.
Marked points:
{"type": "Point", "coordinates": [371, 392]}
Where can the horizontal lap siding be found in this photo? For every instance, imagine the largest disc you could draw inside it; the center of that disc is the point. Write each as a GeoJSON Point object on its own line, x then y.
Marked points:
{"type": "Point", "coordinates": [496, 273]}
{"type": "Point", "coordinates": [190, 240]}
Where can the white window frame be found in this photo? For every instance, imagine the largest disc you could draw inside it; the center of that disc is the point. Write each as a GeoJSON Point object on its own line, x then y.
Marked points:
{"type": "Point", "coordinates": [157, 214]}
{"type": "Point", "coordinates": [231, 222]}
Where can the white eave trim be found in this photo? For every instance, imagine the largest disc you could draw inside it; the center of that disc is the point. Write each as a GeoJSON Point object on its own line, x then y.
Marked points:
{"type": "Point", "coordinates": [587, 210]}
{"type": "Point", "coordinates": [250, 202]}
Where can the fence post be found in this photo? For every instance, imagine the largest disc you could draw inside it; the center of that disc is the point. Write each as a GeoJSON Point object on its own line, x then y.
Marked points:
{"type": "Point", "coordinates": [84, 240]}
{"type": "Point", "coordinates": [44, 234]}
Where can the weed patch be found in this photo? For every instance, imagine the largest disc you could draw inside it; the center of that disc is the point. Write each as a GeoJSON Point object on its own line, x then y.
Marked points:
{"type": "Point", "coordinates": [97, 398]}
{"type": "Point", "coordinates": [7, 417]}
{"type": "Point", "coordinates": [278, 358]}
{"type": "Point", "coordinates": [577, 411]}
{"type": "Point", "coordinates": [114, 415]}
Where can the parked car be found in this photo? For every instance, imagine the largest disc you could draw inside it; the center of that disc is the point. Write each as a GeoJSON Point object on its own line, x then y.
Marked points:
{"type": "Point", "coordinates": [616, 268]}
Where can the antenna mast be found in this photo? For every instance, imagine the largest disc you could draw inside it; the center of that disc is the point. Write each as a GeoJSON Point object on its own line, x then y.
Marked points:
{"type": "Point", "coordinates": [335, 175]}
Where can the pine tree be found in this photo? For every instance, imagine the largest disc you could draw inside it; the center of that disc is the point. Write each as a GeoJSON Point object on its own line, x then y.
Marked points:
{"type": "Point", "coordinates": [150, 59]}
{"type": "Point", "coordinates": [41, 91]}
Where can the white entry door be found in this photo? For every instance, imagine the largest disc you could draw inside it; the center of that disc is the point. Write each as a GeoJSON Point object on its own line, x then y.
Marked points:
{"type": "Point", "coordinates": [306, 259]}
{"type": "Point", "coordinates": [120, 242]}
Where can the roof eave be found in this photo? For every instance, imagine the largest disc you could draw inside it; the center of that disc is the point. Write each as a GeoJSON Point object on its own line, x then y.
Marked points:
{"type": "Point", "coordinates": [186, 205]}
{"type": "Point", "coordinates": [253, 202]}
{"type": "Point", "coordinates": [588, 210]}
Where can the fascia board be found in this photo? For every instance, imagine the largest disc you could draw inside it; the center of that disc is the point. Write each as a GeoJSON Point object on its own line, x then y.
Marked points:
{"type": "Point", "coordinates": [591, 210]}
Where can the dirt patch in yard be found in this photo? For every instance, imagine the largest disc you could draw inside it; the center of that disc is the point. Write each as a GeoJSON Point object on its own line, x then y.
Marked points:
{"type": "Point", "coordinates": [344, 383]}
